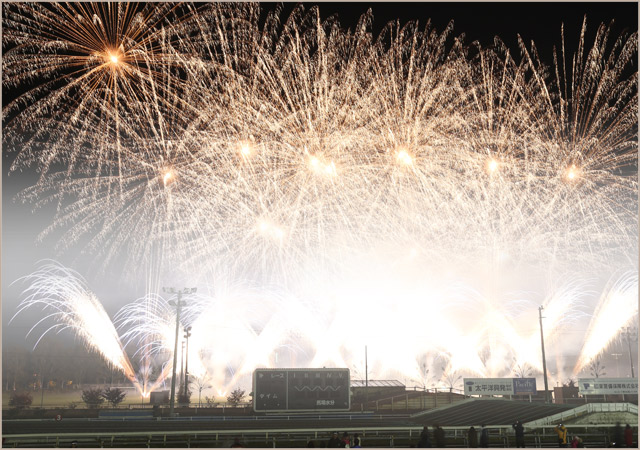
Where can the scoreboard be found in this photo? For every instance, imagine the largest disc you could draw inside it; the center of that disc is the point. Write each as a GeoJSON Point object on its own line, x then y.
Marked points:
{"type": "Point", "coordinates": [301, 390]}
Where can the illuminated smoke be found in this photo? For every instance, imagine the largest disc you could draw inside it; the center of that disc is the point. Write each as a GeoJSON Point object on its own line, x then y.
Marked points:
{"type": "Point", "coordinates": [407, 190]}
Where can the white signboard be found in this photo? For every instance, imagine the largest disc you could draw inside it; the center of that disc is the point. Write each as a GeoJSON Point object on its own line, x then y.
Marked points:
{"type": "Point", "coordinates": [607, 386]}
{"type": "Point", "coordinates": [488, 386]}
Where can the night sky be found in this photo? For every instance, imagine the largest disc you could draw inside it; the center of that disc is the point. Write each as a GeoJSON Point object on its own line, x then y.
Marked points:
{"type": "Point", "coordinates": [482, 21]}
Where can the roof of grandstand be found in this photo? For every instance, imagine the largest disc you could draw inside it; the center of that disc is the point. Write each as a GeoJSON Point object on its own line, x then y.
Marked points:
{"type": "Point", "coordinates": [376, 383]}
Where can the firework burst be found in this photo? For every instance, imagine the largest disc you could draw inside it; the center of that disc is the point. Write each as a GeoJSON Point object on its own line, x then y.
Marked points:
{"type": "Point", "coordinates": [349, 183]}
{"type": "Point", "coordinates": [62, 293]}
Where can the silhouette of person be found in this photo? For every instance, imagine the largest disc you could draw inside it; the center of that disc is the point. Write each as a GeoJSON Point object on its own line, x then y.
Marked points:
{"type": "Point", "coordinates": [472, 437]}
{"type": "Point", "coordinates": [519, 429]}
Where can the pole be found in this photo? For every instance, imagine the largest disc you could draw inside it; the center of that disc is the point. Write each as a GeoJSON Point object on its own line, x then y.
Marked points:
{"type": "Point", "coordinates": [187, 335]}
{"type": "Point", "coordinates": [178, 305]}
{"type": "Point", "coordinates": [42, 390]}
{"type": "Point", "coordinates": [628, 333]}
{"type": "Point", "coordinates": [175, 358]}
{"type": "Point", "coordinates": [630, 357]}
{"type": "Point", "coordinates": [617, 356]}
{"type": "Point", "coordinates": [544, 359]}
{"type": "Point", "coordinates": [366, 375]}
{"type": "Point", "coordinates": [181, 367]}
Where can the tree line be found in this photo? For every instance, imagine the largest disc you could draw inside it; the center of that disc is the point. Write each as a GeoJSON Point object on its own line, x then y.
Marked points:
{"type": "Point", "coordinates": [54, 366]}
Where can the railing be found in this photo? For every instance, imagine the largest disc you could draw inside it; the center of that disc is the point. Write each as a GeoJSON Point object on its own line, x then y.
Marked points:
{"type": "Point", "coordinates": [269, 417]}
{"type": "Point", "coordinates": [544, 436]}
{"type": "Point", "coordinates": [373, 436]}
{"type": "Point", "coordinates": [581, 410]}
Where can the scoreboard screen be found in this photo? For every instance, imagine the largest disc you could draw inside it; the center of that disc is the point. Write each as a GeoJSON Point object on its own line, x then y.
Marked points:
{"type": "Point", "coordinates": [301, 390]}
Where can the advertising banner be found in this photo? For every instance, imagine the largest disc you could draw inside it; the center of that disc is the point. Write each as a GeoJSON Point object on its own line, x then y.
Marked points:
{"type": "Point", "coordinates": [607, 386]}
{"type": "Point", "coordinates": [488, 386]}
{"type": "Point", "coordinates": [499, 386]}
{"type": "Point", "coordinates": [524, 386]}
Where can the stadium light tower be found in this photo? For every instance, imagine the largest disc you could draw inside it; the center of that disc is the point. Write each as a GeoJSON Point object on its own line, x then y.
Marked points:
{"type": "Point", "coordinates": [631, 334]}
{"type": "Point", "coordinates": [178, 304]}
{"type": "Point", "coordinates": [544, 359]}
{"type": "Point", "coordinates": [187, 335]}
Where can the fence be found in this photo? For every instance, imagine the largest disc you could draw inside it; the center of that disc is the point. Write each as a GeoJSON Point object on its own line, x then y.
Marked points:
{"type": "Point", "coordinates": [372, 436]}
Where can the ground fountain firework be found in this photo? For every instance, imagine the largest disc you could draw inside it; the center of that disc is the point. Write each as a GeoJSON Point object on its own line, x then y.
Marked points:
{"type": "Point", "coordinates": [63, 295]}
{"type": "Point", "coordinates": [406, 191]}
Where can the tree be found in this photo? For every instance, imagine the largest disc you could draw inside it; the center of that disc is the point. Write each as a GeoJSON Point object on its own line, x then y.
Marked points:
{"type": "Point", "coordinates": [20, 400]}
{"type": "Point", "coordinates": [596, 369]}
{"type": "Point", "coordinates": [45, 366]}
{"type": "Point", "coordinates": [51, 362]}
{"type": "Point", "coordinates": [424, 375]}
{"type": "Point", "coordinates": [93, 397]}
{"type": "Point", "coordinates": [14, 368]}
{"type": "Point", "coordinates": [200, 383]}
{"type": "Point", "coordinates": [114, 396]}
{"type": "Point", "coordinates": [235, 397]}
{"type": "Point", "coordinates": [450, 379]}
{"type": "Point", "coordinates": [423, 371]}
{"type": "Point", "coordinates": [85, 364]}
{"type": "Point", "coordinates": [522, 370]}
{"type": "Point", "coordinates": [184, 398]}
{"type": "Point", "coordinates": [485, 356]}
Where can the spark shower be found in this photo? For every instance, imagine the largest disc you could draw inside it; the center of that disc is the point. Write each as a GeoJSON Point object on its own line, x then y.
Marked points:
{"type": "Point", "coordinates": [325, 189]}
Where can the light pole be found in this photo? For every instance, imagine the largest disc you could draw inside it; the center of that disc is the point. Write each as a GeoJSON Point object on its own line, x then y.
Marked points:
{"type": "Point", "coordinates": [181, 366]}
{"type": "Point", "coordinates": [630, 333]}
{"type": "Point", "coordinates": [544, 359]}
{"type": "Point", "coordinates": [187, 335]}
{"type": "Point", "coordinates": [42, 390]}
{"type": "Point", "coordinates": [366, 376]}
{"type": "Point", "coordinates": [617, 356]}
{"type": "Point", "coordinates": [178, 304]}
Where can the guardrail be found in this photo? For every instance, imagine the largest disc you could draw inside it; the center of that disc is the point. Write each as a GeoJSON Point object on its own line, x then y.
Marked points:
{"type": "Point", "coordinates": [587, 408]}
{"type": "Point", "coordinates": [269, 417]}
{"type": "Point", "coordinates": [125, 414]}
{"type": "Point", "coordinates": [379, 436]}
{"type": "Point", "coordinates": [403, 436]}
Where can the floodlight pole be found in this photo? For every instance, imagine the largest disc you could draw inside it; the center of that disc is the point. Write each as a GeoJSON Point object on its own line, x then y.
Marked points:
{"type": "Point", "coordinates": [42, 390]}
{"type": "Point", "coordinates": [182, 364]}
{"type": "Point", "coordinates": [187, 335]}
{"type": "Point", "coordinates": [544, 360]}
{"type": "Point", "coordinates": [628, 333]}
{"type": "Point", "coordinates": [178, 306]}
{"type": "Point", "coordinates": [366, 376]}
